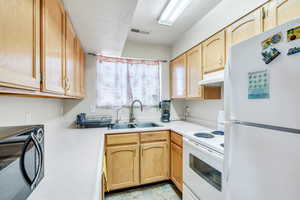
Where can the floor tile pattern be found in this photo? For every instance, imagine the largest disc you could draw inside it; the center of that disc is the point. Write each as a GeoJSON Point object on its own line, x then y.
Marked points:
{"type": "Point", "coordinates": [161, 191]}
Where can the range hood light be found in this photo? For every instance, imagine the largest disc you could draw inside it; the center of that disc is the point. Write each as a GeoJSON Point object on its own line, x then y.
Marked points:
{"type": "Point", "coordinates": [213, 79]}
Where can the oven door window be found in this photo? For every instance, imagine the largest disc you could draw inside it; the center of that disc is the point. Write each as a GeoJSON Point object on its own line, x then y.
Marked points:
{"type": "Point", "coordinates": [12, 182]}
{"type": "Point", "coordinates": [207, 172]}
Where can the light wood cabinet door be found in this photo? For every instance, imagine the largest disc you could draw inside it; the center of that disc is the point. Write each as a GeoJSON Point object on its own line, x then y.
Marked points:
{"type": "Point", "coordinates": [71, 85]}
{"type": "Point", "coordinates": [122, 166]}
{"type": "Point", "coordinates": [194, 72]}
{"type": "Point", "coordinates": [20, 44]}
{"type": "Point", "coordinates": [214, 53]}
{"type": "Point", "coordinates": [176, 165]}
{"type": "Point", "coordinates": [155, 163]}
{"type": "Point", "coordinates": [282, 11]}
{"type": "Point", "coordinates": [53, 47]}
{"type": "Point", "coordinates": [245, 28]}
{"type": "Point", "coordinates": [178, 78]}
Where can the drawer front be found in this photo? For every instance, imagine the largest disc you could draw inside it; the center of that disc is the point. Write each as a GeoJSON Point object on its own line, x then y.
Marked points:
{"type": "Point", "coordinates": [132, 138]}
{"type": "Point", "coordinates": [154, 136]}
{"type": "Point", "coordinates": [176, 138]}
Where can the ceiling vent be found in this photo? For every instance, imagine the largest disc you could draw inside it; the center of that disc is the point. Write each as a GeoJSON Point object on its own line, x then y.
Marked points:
{"type": "Point", "coordinates": [134, 30]}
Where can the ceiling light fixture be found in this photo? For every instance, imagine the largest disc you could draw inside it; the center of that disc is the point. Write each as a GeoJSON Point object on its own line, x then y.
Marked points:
{"type": "Point", "coordinates": [172, 11]}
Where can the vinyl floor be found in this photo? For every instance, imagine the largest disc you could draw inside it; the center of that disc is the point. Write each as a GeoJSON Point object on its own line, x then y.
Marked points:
{"type": "Point", "coordinates": [160, 191]}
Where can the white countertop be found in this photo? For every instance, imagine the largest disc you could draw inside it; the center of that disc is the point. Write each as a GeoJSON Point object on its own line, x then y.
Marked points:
{"type": "Point", "coordinates": [73, 159]}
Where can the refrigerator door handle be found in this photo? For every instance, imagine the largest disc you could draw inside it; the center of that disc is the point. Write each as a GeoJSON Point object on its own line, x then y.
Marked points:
{"type": "Point", "coordinates": [270, 127]}
{"type": "Point", "coordinates": [227, 175]}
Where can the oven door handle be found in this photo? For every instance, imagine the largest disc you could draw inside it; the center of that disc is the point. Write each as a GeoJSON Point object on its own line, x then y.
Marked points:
{"type": "Point", "coordinates": [203, 148]}
{"type": "Point", "coordinates": [30, 182]}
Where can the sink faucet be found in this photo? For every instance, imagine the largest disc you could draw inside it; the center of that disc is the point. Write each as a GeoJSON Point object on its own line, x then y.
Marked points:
{"type": "Point", "coordinates": [131, 114]}
{"type": "Point", "coordinates": [117, 117]}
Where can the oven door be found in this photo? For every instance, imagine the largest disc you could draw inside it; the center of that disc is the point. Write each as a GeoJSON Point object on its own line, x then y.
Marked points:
{"type": "Point", "coordinates": [20, 166]}
{"type": "Point", "coordinates": [202, 169]}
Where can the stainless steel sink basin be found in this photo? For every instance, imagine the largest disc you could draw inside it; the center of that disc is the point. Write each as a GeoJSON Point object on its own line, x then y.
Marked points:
{"type": "Point", "coordinates": [147, 125]}
{"type": "Point", "coordinates": [137, 125]}
{"type": "Point", "coordinates": [122, 126]}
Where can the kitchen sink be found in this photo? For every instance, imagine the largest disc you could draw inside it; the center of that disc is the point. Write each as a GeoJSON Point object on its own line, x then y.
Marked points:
{"type": "Point", "coordinates": [136, 125]}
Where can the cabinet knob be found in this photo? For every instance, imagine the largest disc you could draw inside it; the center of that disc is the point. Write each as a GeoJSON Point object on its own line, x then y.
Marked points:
{"type": "Point", "coordinates": [220, 61]}
{"type": "Point", "coordinates": [67, 84]}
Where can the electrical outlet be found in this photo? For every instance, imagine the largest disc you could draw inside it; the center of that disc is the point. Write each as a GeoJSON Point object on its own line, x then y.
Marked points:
{"type": "Point", "coordinates": [27, 117]}
{"type": "Point", "coordinates": [62, 110]}
{"type": "Point", "coordinates": [92, 108]}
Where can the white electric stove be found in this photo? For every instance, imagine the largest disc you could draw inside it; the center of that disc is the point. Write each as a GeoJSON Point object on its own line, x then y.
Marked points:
{"type": "Point", "coordinates": [203, 156]}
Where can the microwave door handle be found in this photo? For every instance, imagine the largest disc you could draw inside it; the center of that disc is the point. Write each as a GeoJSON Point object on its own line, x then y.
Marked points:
{"type": "Point", "coordinates": [30, 182]}
{"type": "Point", "coordinates": [40, 160]}
{"type": "Point", "coordinates": [22, 162]}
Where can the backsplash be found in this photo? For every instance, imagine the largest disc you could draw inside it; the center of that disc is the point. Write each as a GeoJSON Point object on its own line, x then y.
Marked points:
{"type": "Point", "coordinates": [22, 110]}
{"type": "Point", "coordinates": [204, 112]}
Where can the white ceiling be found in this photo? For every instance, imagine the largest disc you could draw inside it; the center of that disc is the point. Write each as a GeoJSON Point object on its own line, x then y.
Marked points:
{"type": "Point", "coordinates": [102, 25]}
{"type": "Point", "coordinates": [148, 11]}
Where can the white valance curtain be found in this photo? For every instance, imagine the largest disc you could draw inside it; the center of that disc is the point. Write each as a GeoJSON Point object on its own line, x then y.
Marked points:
{"type": "Point", "coordinates": [120, 81]}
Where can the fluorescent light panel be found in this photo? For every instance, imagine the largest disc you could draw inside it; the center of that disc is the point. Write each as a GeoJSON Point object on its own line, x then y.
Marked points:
{"type": "Point", "coordinates": [173, 10]}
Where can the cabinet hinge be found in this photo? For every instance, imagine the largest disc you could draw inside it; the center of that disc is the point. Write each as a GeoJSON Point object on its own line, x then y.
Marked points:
{"type": "Point", "coordinates": [264, 13]}
{"type": "Point", "coordinates": [41, 76]}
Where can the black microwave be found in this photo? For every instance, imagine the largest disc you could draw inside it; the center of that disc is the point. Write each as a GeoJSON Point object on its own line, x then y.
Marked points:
{"type": "Point", "coordinates": [21, 161]}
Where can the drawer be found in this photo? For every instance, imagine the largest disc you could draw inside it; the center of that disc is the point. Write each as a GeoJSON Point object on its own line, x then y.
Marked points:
{"type": "Point", "coordinates": [154, 136]}
{"type": "Point", "coordinates": [131, 138]}
{"type": "Point", "coordinates": [176, 138]}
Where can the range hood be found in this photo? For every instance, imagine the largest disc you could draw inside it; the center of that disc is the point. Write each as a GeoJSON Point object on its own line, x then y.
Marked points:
{"type": "Point", "coordinates": [213, 79]}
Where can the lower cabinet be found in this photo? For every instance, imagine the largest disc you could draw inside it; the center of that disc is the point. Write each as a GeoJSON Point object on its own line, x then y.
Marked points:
{"type": "Point", "coordinates": [123, 166]}
{"type": "Point", "coordinates": [176, 165]}
{"type": "Point", "coordinates": [176, 160]}
{"type": "Point", "coordinates": [154, 162]}
{"type": "Point", "coordinates": [137, 158]}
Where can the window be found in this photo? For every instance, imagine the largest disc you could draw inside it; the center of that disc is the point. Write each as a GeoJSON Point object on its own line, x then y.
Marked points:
{"type": "Point", "coordinates": [120, 81]}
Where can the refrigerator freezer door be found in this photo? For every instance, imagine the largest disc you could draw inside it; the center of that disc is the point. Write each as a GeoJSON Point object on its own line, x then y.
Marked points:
{"type": "Point", "coordinates": [282, 107]}
{"type": "Point", "coordinates": [263, 164]}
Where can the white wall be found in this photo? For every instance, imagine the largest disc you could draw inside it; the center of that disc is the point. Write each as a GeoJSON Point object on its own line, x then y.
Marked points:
{"type": "Point", "coordinates": [226, 12]}
{"type": "Point", "coordinates": [23, 110]}
{"type": "Point", "coordinates": [133, 50]}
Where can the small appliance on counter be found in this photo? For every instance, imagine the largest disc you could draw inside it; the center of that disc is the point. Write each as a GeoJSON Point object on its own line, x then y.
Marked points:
{"type": "Point", "coordinates": [165, 107]}
{"type": "Point", "coordinates": [21, 160]}
{"type": "Point", "coordinates": [93, 121]}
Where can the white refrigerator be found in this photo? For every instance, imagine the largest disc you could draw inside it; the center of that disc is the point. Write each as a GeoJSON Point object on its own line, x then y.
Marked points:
{"type": "Point", "coordinates": [262, 105]}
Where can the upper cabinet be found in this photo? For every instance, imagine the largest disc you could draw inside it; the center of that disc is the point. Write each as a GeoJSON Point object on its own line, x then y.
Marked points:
{"type": "Point", "coordinates": [20, 44]}
{"type": "Point", "coordinates": [282, 11]}
{"type": "Point", "coordinates": [245, 28]}
{"type": "Point", "coordinates": [178, 77]}
{"type": "Point", "coordinates": [39, 52]}
{"type": "Point", "coordinates": [53, 47]}
{"type": "Point", "coordinates": [194, 72]}
{"type": "Point", "coordinates": [186, 72]}
{"type": "Point", "coordinates": [214, 53]}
